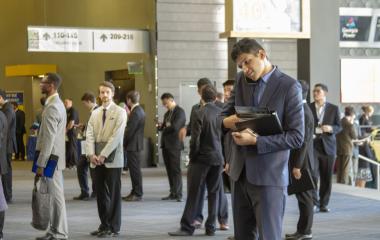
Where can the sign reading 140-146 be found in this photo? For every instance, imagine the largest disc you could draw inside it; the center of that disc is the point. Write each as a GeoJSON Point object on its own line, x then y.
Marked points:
{"type": "Point", "coordinates": [60, 39]}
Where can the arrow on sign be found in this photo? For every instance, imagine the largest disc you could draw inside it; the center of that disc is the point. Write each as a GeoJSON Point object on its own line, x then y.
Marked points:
{"type": "Point", "coordinates": [103, 37]}
{"type": "Point", "coordinates": [46, 36]}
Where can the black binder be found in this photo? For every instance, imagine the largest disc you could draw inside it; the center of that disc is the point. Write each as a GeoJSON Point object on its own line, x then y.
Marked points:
{"type": "Point", "coordinates": [303, 184]}
{"type": "Point", "coordinates": [260, 120]}
{"type": "Point", "coordinates": [99, 147]}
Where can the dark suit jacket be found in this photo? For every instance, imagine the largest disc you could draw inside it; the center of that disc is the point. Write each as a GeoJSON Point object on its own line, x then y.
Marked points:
{"type": "Point", "coordinates": [331, 117]}
{"type": "Point", "coordinates": [170, 138]}
{"type": "Point", "coordinates": [9, 112]}
{"type": "Point", "coordinates": [206, 136]}
{"type": "Point", "coordinates": [266, 163]}
{"type": "Point", "coordinates": [303, 157]}
{"type": "Point", "coordinates": [3, 144]}
{"type": "Point", "coordinates": [344, 138]}
{"type": "Point", "coordinates": [20, 122]}
{"type": "Point", "coordinates": [194, 109]}
{"type": "Point", "coordinates": [134, 134]}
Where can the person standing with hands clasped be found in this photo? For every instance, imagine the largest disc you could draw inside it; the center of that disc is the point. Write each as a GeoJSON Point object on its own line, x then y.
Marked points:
{"type": "Point", "coordinates": [260, 168]}
{"type": "Point", "coordinates": [104, 148]}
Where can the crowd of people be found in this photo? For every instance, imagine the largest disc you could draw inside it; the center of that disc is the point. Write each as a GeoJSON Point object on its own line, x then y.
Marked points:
{"type": "Point", "coordinates": [255, 169]}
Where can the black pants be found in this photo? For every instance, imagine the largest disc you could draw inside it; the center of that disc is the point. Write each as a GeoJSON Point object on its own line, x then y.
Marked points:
{"type": "Point", "coordinates": [325, 167]}
{"type": "Point", "coordinates": [7, 180]}
{"type": "Point", "coordinates": [172, 160]}
{"type": "Point", "coordinates": [134, 167]}
{"type": "Point", "coordinates": [108, 187]}
{"type": "Point", "coordinates": [2, 219]}
{"type": "Point", "coordinates": [82, 173]}
{"type": "Point", "coordinates": [201, 174]}
{"type": "Point", "coordinates": [306, 209]}
{"type": "Point", "coordinates": [20, 146]}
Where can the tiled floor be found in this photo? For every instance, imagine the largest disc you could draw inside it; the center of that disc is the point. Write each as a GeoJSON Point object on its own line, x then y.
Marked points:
{"type": "Point", "coordinates": [351, 218]}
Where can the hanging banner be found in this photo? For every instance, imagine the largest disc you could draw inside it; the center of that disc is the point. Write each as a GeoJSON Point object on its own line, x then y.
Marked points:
{"type": "Point", "coordinates": [64, 39]}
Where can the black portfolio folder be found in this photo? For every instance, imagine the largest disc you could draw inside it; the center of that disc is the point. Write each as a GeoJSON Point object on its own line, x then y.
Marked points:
{"type": "Point", "coordinates": [260, 120]}
{"type": "Point", "coordinates": [303, 184]}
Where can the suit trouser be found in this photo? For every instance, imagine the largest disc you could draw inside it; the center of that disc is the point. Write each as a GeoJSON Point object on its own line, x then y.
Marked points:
{"type": "Point", "coordinates": [20, 146]}
{"type": "Point", "coordinates": [108, 197]}
{"type": "Point", "coordinates": [2, 219]}
{"type": "Point", "coordinates": [58, 218]}
{"type": "Point", "coordinates": [200, 174]}
{"type": "Point", "coordinates": [172, 160]}
{"type": "Point", "coordinates": [134, 167]}
{"type": "Point", "coordinates": [82, 173]}
{"type": "Point", "coordinates": [258, 209]}
{"type": "Point", "coordinates": [325, 166]}
{"type": "Point", "coordinates": [343, 168]}
{"type": "Point", "coordinates": [7, 179]}
{"type": "Point", "coordinates": [306, 209]}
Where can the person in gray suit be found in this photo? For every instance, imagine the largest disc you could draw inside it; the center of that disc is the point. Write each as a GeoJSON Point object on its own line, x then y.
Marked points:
{"type": "Point", "coordinates": [260, 170]}
{"type": "Point", "coordinates": [51, 141]}
{"type": "Point", "coordinates": [106, 128]}
{"type": "Point", "coordinates": [3, 167]}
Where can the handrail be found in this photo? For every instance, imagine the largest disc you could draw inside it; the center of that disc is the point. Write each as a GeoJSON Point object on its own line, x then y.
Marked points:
{"type": "Point", "coordinates": [378, 168]}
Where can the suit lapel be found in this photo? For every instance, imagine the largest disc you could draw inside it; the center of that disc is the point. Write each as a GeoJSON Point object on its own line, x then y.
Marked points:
{"type": "Point", "coordinates": [272, 85]}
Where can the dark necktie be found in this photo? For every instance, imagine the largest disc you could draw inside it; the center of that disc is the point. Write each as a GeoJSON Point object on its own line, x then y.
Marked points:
{"type": "Point", "coordinates": [104, 116]}
{"type": "Point", "coordinates": [256, 92]}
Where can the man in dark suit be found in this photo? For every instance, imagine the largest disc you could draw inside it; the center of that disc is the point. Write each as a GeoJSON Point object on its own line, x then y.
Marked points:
{"type": "Point", "coordinates": [134, 144]}
{"type": "Point", "coordinates": [303, 159]}
{"type": "Point", "coordinates": [171, 144]}
{"type": "Point", "coordinates": [7, 109]}
{"type": "Point", "coordinates": [260, 170]}
{"type": "Point", "coordinates": [3, 167]}
{"type": "Point", "coordinates": [205, 166]}
{"type": "Point", "coordinates": [71, 134]}
{"type": "Point", "coordinates": [327, 124]}
{"type": "Point", "coordinates": [20, 131]}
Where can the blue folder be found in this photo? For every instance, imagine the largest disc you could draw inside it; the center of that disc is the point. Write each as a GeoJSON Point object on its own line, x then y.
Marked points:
{"type": "Point", "coordinates": [50, 166]}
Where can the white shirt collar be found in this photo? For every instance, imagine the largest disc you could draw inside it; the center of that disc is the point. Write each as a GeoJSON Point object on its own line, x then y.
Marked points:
{"type": "Point", "coordinates": [133, 107]}
{"type": "Point", "coordinates": [50, 98]}
{"type": "Point", "coordinates": [108, 107]}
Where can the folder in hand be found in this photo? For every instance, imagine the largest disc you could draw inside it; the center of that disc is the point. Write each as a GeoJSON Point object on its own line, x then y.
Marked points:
{"type": "Point", "coordinates": [303, 184]}
{"type": "Point", "coordinates": [50, 167]}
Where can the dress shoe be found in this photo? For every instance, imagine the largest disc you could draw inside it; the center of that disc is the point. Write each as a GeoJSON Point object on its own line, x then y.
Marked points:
{"type": "Point", "coordinates": [298, 236]}
{"type": "Point", "coordinates": [169, 197]}
{"type": "Point", "coordinates": [224, 227]}
{"type": "Point", "coordinates": [197, 224]}
{"type": "Point", "coordinates": [93, 195]}
{"type": "Point", "coordinates": [46, 237]}
{"type": "Point", "coordinates": [97, 232]}
{"type": "Point", "coordinates": [179, 199]}
{"type": "Point", "coordinates": [82, 197]}
{"type": "Point", "coordinates": [324, 210]}
{"type": "Point", "coordinates": [210, 232]}
{"type": "Point", "coordinates": [132, 198]}
{"type": "Point", "coordinates": [231, 238]}
{"type": "Point", "coordinates": [180, 232]}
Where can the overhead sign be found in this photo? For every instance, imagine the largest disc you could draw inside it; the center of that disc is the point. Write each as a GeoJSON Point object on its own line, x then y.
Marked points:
{"type": "Point", "coordinates": [15, 96]}
{"type": "Point", "coordinates": [63, 39]}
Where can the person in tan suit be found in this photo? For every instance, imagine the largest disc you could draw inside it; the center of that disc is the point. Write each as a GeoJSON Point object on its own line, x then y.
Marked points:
{"type": "Point", "coordinates": [106, 128]}
{"type": "Point", "coordinates": [51, 141]}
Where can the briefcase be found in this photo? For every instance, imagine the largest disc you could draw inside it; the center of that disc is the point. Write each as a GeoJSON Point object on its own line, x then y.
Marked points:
{"type": "Point", "coordinates": [303, 184]}
{"type": "Point", "coordinates": [98, 149]}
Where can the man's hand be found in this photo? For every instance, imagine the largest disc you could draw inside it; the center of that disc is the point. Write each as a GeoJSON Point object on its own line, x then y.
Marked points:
{"type": "Point", "coordinates": [101, 159]}
{"type": "Point", "coordinates": [244, 138]}
{"type": "Point", "coordinates": [327, 128]}
{"type": "Point", "coordinates": [40, 172]}
{"type": "Point", "coordinates": [297, 173]}
{"type": "Point", "coordinates": [227, 167]}
{"type": "Point", "coordinates": [94, 159]}
{"type": "Point", "coordinates": [182, 134]}
{"type": "Point", "coordinates": [229, 122]}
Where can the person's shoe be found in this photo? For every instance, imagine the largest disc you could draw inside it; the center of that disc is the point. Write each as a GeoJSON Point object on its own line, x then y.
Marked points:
{"type": "Point", "coordinates": [180, 233]}
{"type": "Point", "coordinates": [290, 235]}
{"type": "Point", "coordinates": [300, 236]}
{"type": "Point", "coordinates": [115, 234]}
{"type": "Point", "coordinates": [210, 232]}
{"type": "Point", "coordinates": [9, 201]}
{"type": "Point", "coordinates": [93, 195]}
{"type": "Point", "coordinates": [224, 227]}
{"type": "Point", "coordinates": [104, 234]}
{"type": "Point", "coordinates": [324, 210]}
{"type": "Point", "coordinates": [132, 198]}
{"type": "Point", "coordinates": [97, 232]}
{"type": "Point", "coordinates": [179, 199]}
{"type": "Point", "coordinates": [231, 238]}
{"type": "Point", "coordinates": [82, 197]}
{"type": "Point", "coordinates": [169, 197]}
{"type": "Point", "coordinates": [46, 237]}
{"type": "Point", "coordinates": [197, 224]}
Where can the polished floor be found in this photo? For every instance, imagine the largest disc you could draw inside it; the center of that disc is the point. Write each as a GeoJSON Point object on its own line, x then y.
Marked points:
{"type": "Point", "coordinates": [355, 213]}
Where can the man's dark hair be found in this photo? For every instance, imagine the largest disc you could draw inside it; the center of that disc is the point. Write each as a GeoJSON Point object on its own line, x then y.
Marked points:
{"type": "Point", "coordinates": [167, 96]}
{"type": "Point", "coordinates": [305, 88]}
{"type": "Point", "coordinates": [349, 111]}
{"type": "Point", "coordinates": [229, 83]}
{"type": "Point", "coordinates": [202, 82]}
{"type": "Point", "coordinates": [108, 85]}
{"type": "Point", "coordinates": [245, 45]}
{"type": "Point", "coordinates": [209, 94]}
{"type": "Point", "coordinates": [54, 79]}
{"type": "Point", "coordinates": [134, 96]}
{"type": "Point", "coordinates": [15, 104]}
{"type": "Point", "coordinates": [88, 97]}
{"type": "Point", "coordinates": [323, 86]}
{"type": "Point", "coordinates": [43, 101]}
{"type": "Point", "coordinates": [3, 94]}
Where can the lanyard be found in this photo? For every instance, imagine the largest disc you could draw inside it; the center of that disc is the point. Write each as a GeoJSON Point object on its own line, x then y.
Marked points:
{"type": "Point", "coordinates": [321, 113]}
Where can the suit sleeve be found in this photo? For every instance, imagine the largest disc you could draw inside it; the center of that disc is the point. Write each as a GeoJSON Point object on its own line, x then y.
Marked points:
{"type": "Point", "coordinates": [188, 128]}
{"type": "Point", "coordinates": [196, 133]}
{"type": "Point", "coordinates": [50, 128]}
{"type": "Point", "coordinates": [132, 126]}
{"type": "Point", "coordinates": [90, 135]}
{"type": "Point", "coordinates": [336, 125]}
{"type": "Point", "coordinates": [301, 153]}
{"type": "Point", "coordinates": [293, 135]}
{"type": "Point", "coordinates": [117, 134]}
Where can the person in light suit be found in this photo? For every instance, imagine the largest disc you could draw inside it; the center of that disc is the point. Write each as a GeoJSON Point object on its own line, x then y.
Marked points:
{"type": "Point", "coordinates": [51, 140]}
{"type": "Point", "coordinates": [107, 125]}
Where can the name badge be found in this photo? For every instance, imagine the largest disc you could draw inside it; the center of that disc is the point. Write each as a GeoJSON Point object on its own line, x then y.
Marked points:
{"type": "Point", "coordinates": [318, 130]}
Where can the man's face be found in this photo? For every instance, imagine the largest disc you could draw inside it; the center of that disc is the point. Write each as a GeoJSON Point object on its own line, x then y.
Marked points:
{"type": "Point", "coordinates": [253, 65]}
{"type": "Point", "coordinates": [87, 104]}
{"type": "Point", "coordinates": [227, 92]}
{"type": "Point", "coordinates": [319, 94]}
{"type": "Point", "coordinates": [1, 101]}
{"type": "Point", "coordinates": [68, 103]}
{"type": "Point", "coordinates": [45, 86]}
{"type": "Point", "coordinates": [167, 103]}
{"type": "Point", "coordinates": [129, 103]}
{"type": "Point", "coordinates": [105, 94]}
